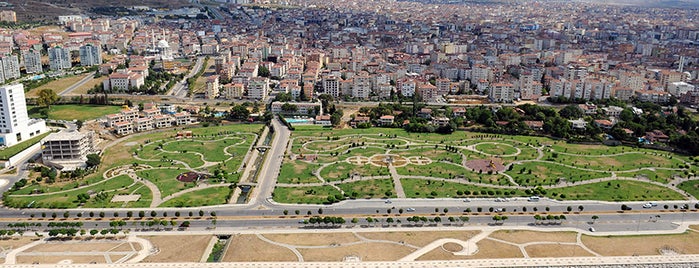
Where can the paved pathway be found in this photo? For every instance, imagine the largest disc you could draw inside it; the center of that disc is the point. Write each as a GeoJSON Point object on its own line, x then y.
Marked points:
{"type": "Point", "coordinates": [396, 181]}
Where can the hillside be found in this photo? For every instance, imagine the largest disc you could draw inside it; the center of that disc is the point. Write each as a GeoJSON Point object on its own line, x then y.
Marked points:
{"type": "Point", "coordinates": [33, 10]}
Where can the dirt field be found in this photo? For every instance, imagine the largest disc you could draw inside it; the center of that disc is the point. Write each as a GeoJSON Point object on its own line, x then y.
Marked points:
{"type": "Point", "coordinates": [245, 248]}
{"type": "Point", "coordinates": [489, 249]}
{"type": "Point", "coordinates": [80, 246]}
{"type": "Point", "coordinates": [46, 259]}
{"type": "Point", "coordinates": [542, 251]}
{"type": "Point", "coordinates": [365, 251]}
{"type": "Point", "coordinates": [171, 248]}
{"type": "Point", "coordinates": [419, 239]}
{"type": "Point", "coordinates": [313, 239]}
{"type": "Point", "coordinates": [82, 90]}
{"type": "Point", "coordinates": [15, 243]}
{"type": "Point", "coordinates": [643, 245]}
{"type": "Point", "coordinates": [58, 85]}
{"type": "Point", "coordinates": [522, 237]}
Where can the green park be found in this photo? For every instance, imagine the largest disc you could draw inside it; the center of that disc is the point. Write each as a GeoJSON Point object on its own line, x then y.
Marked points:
{"type": "Point", "coordinates": [182, 167]}
{"type": "Point", "coordinates": [329, 165]}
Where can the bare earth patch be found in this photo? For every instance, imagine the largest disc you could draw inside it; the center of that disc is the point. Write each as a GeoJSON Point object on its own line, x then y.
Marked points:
{"type": "Point", "coordinates": [489, 249]}
{"type": "Point", "coordinates": [178, 248]}
{"type": "Point", "coordinates": [77, 246]}
{"type": "Point", "coordinates": [313, 239]}
{"type": "Point", "coordinates": [248, 248]}
{"type": "Point", "coordinates": [365, 251]}
{"type": "Point", "coordinates": [551, 251]}
{"type": "Point", "coordinates": [48, 259]}
{"type": "Point", "coordinates": [10, 243]}
{"type": "Point", "coordinates": [643, 245]}
{"type": "Point", "coordinates": [452, 247]}
{"type": "Point", "coordinates": [522, 237]}
{"type": "Point", "coordinates": [419, 239]}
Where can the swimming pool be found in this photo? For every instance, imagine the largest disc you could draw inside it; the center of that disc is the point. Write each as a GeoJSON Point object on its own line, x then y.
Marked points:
{"type": "Point", "coordinates": [299, 121]}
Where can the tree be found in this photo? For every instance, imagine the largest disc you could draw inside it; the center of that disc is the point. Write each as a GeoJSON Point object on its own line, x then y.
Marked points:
{"type": "Point", "coordinates": [93, 160]}
{"type": "Point", "coordinates": [571, 112]}
{"type": "Point", "coordinates": [581, 208]}
{"type": "Point", "coordinates": [201, 213]}
{"type": "Point", "coordinates": [569, 208]}
{"type": "Point", "coordinates": [101, 214]}
{"type": "Point", "coordinates": [141, 214]}
{"type": "Point", "coordinates": [46, 98]}
{"type": "Point", "coordinates": [129, 214]}
{"type": "Point", "coordinates": [177, 214]}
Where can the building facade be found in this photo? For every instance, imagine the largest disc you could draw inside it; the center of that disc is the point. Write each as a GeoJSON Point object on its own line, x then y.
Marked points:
{"type": "Point", "coordinates": [15, 124]}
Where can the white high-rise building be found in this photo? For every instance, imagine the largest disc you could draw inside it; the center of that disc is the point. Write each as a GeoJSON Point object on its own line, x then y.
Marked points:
{"type": "Point", "coordinates": [59, 58]}
{"type": "Point", "coordinates": [10, 67]}
{"type": "Point", "coordinates": [32, 62]}
{"type": "Point", "coordinates": [15, 125]}
{"type": "Point", "coordinates": [90, 55]}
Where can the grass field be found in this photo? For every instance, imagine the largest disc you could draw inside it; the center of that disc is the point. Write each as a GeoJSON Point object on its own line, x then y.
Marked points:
{"type": "Point", "coordinates": [73, 111]}
{"type": "Point", "coordinates": [304, 195]}
{"type": "Point", "coordinates": [617, 190]}
{"type": "Point", "coordinates": [417, 188]}
{"type": "Point", "coordinates": [166, 180]}
{"type": "Point", "coordinates": [204, 197]}
{"type": "Point", "coordinates": [68, 199]}
{"type": "Point", "coordinates": [297, 172]}
{"type": "Point", "coordinates": [691, 187]}
{"type": "Point", "coordinates": [369, 189]}
{"type": "Point", "coordinates": [547, 173]}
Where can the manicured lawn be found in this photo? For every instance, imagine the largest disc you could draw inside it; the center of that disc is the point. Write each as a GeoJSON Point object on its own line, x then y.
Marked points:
{"type": "Point", "coordinates": [369, 189]}
{"type": "Point", "coordinates": [617, 190]}
{"type": "Point", "coordinates": [15, 149]}
{"type": "Point", "coordinates": [496, 148]}
{"type": "Point", "coordinates": [620, 162]}
{"type": "Point", "coordinates": [416, 188]}
{"type": "Point", "coordinates": [547, 173]}
{"type": "Point", "coordinates": [691, 187]}
{"type": "Point", "coordinates": [297, 172]}
{"type": "Point", "coordinates": [204, 197]}
{"type": "Point", "coordinates": [343, 171]}
{"type": "Point", "coordinates": [304, 195]}
{"type": "Point", "coordinates": [212, 150]}
{"type": "Point", "coordinates": [68, 199]}
{"type": "Point", "coordinates": [73, 111]}
{"type": "Point", "coordinates": [138, 188]}
{"type": "Point", "coordinates": [659, 175]}
{"type": "Point", "coordinates": [438, 154]}
{"type": "Point", "coordinates": [166, 180]}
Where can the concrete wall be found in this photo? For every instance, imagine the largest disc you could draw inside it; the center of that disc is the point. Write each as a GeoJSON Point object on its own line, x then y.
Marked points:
{"type": "Point", "coordinates": [36, 148]}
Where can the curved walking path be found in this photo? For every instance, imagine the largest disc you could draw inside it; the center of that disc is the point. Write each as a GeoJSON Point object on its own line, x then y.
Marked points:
{"type": "Point", "coordinates": [289, 247]}
{"type": "Point", "coordinates": [469, 247]}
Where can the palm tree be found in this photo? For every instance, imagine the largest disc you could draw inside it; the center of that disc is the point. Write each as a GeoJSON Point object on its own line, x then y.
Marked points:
{"type": "Point", "coordinates": [594, 218]}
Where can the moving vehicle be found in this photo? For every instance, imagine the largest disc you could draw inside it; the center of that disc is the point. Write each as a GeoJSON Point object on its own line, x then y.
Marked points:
{"type": "Point", "coordinates": [534, 199]}
{"type": "Point", "coordinates": [647, 205]}
{"type": "Point", "coordinates": [410, 210]}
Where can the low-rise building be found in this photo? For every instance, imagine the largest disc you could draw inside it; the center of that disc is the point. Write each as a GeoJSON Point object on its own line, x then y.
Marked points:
{"type": "Point", "coordinates": [67, 150]}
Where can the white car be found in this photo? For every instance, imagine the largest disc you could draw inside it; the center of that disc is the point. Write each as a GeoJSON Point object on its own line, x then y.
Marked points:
{"type": "Point", "coordinates": [649, 205]}
{"type": "Point", "coordinates": [410, 210]}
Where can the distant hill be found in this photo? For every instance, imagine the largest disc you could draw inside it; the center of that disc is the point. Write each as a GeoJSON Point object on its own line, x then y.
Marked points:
{"type": "Point", "coordinates": [652, 3]}
{"type": "Point", "coordinates": [47, 10]}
